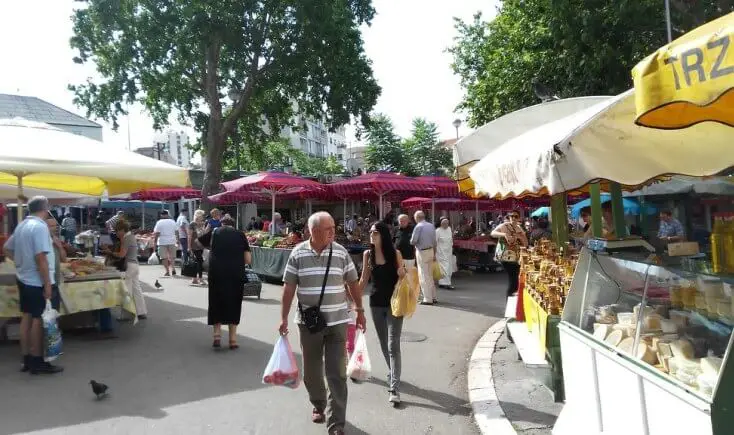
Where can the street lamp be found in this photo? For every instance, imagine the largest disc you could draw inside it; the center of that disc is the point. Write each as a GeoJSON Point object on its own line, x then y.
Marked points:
{"type": "Point", "coordinates": [457, 124]}
{"type": "Point", "coordinates": [234, 96]}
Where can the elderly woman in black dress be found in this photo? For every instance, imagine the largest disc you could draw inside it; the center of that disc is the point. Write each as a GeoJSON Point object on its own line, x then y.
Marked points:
{"type": "Point", "coordinates": [229, 252]}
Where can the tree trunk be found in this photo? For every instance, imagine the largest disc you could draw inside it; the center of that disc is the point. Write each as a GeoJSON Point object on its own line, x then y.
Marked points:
{"type": "Point", "coordinates": [215, 144]}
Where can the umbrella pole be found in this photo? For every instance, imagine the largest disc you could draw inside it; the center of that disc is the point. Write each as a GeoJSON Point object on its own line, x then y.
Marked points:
{"type": "Point", "coordinates": [476, 211]}
{"type": "Point", "coordinates": [143, 212]}
{"type": "Point", "coordinates": [345, 213]}
{"type": "Point", "coordinates": [615, 189]}
{"type": "Point", "coordinates": [433, 210]}
{"type": "Point", "coordinates": [19, 211]}
{"type": "Point", "coordinates": [595, 199]}
{"type": "Point", "coordinates": [380, 208]}
{"type": "Point", "coordinates": [272, 211]}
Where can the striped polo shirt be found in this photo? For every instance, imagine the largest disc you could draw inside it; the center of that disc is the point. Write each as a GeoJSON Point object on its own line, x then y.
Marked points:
{"type": "Point", "coordinates": [306, 269]}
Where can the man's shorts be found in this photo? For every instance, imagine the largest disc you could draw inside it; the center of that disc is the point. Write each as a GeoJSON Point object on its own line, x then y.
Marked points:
{"type": "Point", "coordinates": [32, 301]}
{"type": "Point", "coordinates": [167, 252]}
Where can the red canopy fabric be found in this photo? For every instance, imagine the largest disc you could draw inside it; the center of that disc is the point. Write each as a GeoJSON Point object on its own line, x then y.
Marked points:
{"type": "Point", "coordinates": [458, 204]}
{"type": "Point", "coordinates": [270, 182]}
{"type": "Point", "coordinates": [441, 187]}
{"type": "Point", "coordinates": [166, 194]}
{"type": "Point", "coordinates": [230, 198]}
{"type": "Point", "coordinates": [378, 183]}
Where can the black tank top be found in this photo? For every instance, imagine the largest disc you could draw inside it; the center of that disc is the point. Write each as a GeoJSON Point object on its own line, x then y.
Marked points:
{"type": "Point", "coordinates": [384, 278]}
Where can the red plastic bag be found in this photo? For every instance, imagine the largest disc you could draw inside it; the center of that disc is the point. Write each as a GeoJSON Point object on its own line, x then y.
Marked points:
{"type": "Point", "coordinates": [282, 369]}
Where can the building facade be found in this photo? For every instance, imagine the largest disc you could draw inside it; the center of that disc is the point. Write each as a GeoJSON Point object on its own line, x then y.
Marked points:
{"type": "Point", "coordinates": [170, 147]}
{"type": "Point", "coordinates": [314, 138]}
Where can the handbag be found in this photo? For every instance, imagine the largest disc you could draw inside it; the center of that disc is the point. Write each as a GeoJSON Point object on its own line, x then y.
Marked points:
{"type": "Point", "coordinates": [508, 253]}
{"type": "Point", "coordinates": [311, 316]}
{"type": "Point", "coordinates": [190, 268]}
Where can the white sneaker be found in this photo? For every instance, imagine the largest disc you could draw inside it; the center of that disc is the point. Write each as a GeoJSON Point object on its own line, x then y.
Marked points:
{"type": "Point", "coordinates": [394, 398]}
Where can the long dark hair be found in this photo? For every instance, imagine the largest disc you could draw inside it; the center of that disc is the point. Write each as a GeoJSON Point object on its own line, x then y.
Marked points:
{"type": "Point", "coordinates": [388, 251]}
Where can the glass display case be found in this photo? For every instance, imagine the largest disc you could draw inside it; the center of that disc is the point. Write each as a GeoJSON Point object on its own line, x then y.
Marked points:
{"type": "Point", "coordinates": [648, 331]}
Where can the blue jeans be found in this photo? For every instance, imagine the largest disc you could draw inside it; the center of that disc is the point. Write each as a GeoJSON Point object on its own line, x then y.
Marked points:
{"type": "Point", "coordinates": [106, 324]}
{"type": "Point", "coordinates": [184, 249]}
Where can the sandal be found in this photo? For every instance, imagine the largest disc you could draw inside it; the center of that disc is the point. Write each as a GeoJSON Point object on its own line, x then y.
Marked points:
{"type": "Point", "coordinates": [233, 345]}
{"type": "Point", "coordinates": [217, 343]}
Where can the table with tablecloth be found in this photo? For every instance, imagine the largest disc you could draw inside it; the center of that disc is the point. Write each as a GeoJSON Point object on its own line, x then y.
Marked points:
{"type": "Point", "coordinates": [76, 296]}
{"type": "Point", "coordinates": [477, 254]}
{"type": "Point", "coordinates": [269, 262]}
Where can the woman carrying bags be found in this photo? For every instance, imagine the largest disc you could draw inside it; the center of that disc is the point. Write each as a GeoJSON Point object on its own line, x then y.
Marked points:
{"type": "Point", "coordinates": [128, 252]}
{"type": "Point", "coordinates": [384, 264]}
{"type": "Point", "coordinates": [511, 238]}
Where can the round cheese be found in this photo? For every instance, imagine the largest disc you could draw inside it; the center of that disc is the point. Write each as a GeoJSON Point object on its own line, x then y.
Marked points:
{"type": "Point", "coordinates": [682, 348]}
{"type": "Point", "coordinates": [614, 338]}
{"type": "Point", "coordinates": [601, 330]}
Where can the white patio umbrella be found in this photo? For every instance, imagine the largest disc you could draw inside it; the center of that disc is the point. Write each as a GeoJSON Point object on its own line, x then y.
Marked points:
{"type": "Point", "coordinates": [40, 156]}
{"type": "Point", "coordinates": [601, 142]}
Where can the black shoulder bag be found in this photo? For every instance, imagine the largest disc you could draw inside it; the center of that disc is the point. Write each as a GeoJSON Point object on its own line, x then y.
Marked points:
{"type": "Point", "coordinates": [311, 316]}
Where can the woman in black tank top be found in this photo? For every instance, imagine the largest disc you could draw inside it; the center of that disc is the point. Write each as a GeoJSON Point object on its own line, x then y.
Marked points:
{"type": "Point", "coordinates": [384, 264]}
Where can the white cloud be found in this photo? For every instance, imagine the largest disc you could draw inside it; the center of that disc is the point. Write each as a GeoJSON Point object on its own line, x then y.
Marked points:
{"type": "Point", "coordinates": [406, 42]}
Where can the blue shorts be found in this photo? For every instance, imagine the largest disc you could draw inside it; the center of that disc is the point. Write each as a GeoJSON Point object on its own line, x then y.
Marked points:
{"type": "Point", "coordinates": [32, 301]}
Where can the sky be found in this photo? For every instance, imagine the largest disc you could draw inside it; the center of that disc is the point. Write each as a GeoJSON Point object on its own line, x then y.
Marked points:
{"type": "Point", "coordinates": [406, 42]}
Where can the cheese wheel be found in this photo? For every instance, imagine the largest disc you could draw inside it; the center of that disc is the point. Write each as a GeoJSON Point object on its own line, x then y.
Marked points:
{"type": "Point", "coordinates": [601, 330]}
{"type": "Point", "coordinates": [627, 330]}
{"type": "Point", "coordinates": [651, 322]}
{"type": "Point", "coordinates": [645, 353]}
{"type": "Point", "coordinates": [614, 338]}
{"type": "Point", "coordinates": [711, 365]}
{"type": "Point", "coordinates": [682, 348]}
{"type": "Point", "coordinates": [625, 319]}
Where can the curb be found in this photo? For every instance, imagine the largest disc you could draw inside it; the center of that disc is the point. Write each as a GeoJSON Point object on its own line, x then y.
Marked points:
{"type": "Point", "coordinates": [486, 408]}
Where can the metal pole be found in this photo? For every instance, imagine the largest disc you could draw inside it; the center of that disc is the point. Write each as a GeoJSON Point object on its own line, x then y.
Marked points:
{"type": "Point", "coordinates": [667, 21]}
{"type": "Point", "coordinates": [433, 210]}
{"type": "Point", "coordinates": [19, 205]}
{"type": "Point", "coordinates": [380, 208]}
{"type": "Point", "coordinates": [476, 219]}
{"type": "Point", "coordinates": [143, 224]}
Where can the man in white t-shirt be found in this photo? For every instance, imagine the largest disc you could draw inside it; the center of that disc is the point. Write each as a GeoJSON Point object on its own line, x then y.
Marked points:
{"type": "Point", "coordinates": [183, 225]}
{"type": "Point", "coordinates": [166, 239]}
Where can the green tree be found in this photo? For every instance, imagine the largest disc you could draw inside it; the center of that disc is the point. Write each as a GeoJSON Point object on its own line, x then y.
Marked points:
{"type": "Point", "coordinates": [184, 58]}
{"type": "Point", "coordinates": [571, 48]}
{"type": "Point", "coordinates": [384, 151]}
{"type": "Point", "coordinates": [425, 154]}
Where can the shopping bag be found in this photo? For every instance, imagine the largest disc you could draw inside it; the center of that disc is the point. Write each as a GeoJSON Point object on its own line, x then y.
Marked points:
{"type": "Point", "coordinates": [359, 367]}
{"type": "Point", "coordinates": [51, 333]}
{"type": "Point", "coordinates": [436, 269]}
{"type": "Point", "coordinates": [402, 303]}
{"type": "Point", "coordinates": [282, 369]}
{"type": "Point", "coordinates": [189, 268]}
{"type": "Point", "coordinates": [153, 259]}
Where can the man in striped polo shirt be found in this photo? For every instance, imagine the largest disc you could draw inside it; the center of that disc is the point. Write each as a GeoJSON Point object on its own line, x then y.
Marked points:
{"type": "Point", "coordinates": [326, 349]}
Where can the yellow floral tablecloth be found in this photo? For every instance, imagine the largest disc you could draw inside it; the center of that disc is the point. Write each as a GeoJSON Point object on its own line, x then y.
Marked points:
{"type": "Point", "coordinates": [76, 297]}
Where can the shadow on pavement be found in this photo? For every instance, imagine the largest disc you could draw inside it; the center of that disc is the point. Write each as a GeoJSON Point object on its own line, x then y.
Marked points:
{"type": "Point", "coordinates": [480, 293]}
{"type": "Point", "coordinates": [161, 362]}
{"type": "Point", "coordinates": [529, 415]}
{"type": "Point", "coordinates": [442, 402]}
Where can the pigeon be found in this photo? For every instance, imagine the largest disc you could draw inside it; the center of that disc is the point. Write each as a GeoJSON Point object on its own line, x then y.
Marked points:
{"type": "Point", "coordinates": [99, 389]}
{"type": "Point", "coordinates": [542, 92]}
{"type": "Point", "coordinates": [157, 284]}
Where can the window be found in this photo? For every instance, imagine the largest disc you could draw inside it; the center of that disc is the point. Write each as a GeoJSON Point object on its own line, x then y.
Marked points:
{"type": "Point", "coordinates": [340, 156]}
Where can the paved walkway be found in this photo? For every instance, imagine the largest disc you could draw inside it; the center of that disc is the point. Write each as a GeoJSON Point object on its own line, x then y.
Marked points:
{"type": "Point", "coordinates": [165, 378]}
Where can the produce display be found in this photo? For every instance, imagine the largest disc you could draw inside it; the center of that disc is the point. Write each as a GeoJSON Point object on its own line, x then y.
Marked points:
{"type": "Point", "coordinates": [684, 344]}
{"type": "Point", "coordinates": [78, 268]}
{"type": "Point", "coordinates": [547, 272]}
{"type": "Point", "coordinates": [266, 240]}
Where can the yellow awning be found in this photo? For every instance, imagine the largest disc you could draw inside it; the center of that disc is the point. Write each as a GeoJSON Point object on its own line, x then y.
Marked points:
{"type": "Point", "coordinates": [690, 80]}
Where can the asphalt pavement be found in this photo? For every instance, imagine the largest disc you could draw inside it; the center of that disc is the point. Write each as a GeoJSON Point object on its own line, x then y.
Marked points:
{"type": "Point", "coordinates": [165, 378]}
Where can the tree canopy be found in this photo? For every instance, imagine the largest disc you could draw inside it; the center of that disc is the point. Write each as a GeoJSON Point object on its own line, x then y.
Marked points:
{"type": "Point", "coordinates": [215, 64]}
{"type": "Point", "coordinates": [569, 48]}
{"type": "Point", "coordinates": [419, 154]}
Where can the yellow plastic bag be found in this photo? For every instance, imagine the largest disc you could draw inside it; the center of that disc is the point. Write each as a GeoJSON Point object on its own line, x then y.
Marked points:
{"type": "Point", "coordinates": [402, 303]}
{"type": "Point", "coordinates": [437, 274]}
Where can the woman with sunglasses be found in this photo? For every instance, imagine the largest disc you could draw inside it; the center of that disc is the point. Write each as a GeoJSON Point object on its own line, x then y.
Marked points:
{"type": "Point", "coordinates": [384, 264]}
{"type": "Point", "coordinates": [511, 237]}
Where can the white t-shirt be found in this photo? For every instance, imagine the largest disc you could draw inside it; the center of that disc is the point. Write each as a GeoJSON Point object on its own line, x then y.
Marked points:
{"type": "Point", "coordinates": [183, 225]}
{"type": "Point", "coordinates": [167, 231]}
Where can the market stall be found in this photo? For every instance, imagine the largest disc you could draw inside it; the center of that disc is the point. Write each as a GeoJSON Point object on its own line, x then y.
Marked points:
{"type": "Point", "coordinates": [88, 286]}
{"type": "Point", "coordinates": [270, 253]}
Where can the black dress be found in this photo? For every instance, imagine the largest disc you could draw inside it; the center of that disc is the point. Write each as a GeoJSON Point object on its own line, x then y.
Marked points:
{"type": "Point", "coordinates": [226, 274]}
{"type": "Point", "coordinates": [384, 278]}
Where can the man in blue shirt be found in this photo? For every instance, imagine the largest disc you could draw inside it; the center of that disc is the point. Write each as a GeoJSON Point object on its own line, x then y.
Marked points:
{"type": "Point", "coordinates": [31, 249]}
{"type": "Point", "coordinates": [424, 240]}
{"type": "Point", "coordinates": [670, 230]}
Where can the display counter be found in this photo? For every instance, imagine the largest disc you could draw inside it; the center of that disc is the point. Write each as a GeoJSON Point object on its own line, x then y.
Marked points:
{"type": "Point", "coordinates": [78, 295]}
{"type": "Point", "coordinates": [269, 262]}
{"type": "Point", "coordinates": [645, 349]}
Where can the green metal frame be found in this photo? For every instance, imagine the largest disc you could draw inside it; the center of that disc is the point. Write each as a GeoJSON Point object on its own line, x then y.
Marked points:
{"type": "Point", "coordinates": [595, 197]}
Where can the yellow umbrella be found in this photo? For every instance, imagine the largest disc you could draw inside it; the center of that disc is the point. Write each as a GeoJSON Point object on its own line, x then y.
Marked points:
{"type": "Point", "coordinates": [690, 80]}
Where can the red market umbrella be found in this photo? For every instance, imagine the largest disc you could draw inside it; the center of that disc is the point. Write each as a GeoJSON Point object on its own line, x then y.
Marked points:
{"type": "Point", "coordinates": [441, 186]}
{"type": "Point", "coordinates": [230, 198]}
{"type": "Point", "coordinates": [272, 184]}
{"type": "Point", "coordinates": [166, 194]}
{"type": "Point", "coordinates": [378, 184]}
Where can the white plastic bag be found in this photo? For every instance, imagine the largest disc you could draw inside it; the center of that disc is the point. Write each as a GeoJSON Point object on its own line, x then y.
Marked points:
{"type": "Point", "coordinates": [359, 366]}
{"type": "Point", "coordinates": [282, 368]}
{"type": "Point", "coordinates": [153, 259]}
{"type": "Point", "coordinates": [51, 333]}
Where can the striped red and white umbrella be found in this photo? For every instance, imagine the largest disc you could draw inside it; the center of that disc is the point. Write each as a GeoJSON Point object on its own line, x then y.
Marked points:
{"type": "Point", "coordinates": [166, 194]}
{"type": "Point", "coordinates": [377, 184]}
{"type": "Point", "coordinates": [271, 182]}
{"type": "Point", "coordinates": [441, 187]}
{"type": "Point", "coordinates": [232, 198]}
